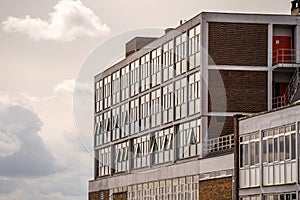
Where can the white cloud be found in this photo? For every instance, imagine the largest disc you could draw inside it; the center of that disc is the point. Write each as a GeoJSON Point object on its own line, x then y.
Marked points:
{"type": "Point", "coordinates": [67, 86]}
{"type": "Point", "coordinates": [69, 20]}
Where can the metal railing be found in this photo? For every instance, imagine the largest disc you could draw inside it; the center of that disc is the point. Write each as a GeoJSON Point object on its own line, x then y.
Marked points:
{"type": "Point", "coordinates": [286, 56]}
{"type": "Point", "coordinates": [222, 143]}
{"type": "Point", "coordinates": [289, 93]}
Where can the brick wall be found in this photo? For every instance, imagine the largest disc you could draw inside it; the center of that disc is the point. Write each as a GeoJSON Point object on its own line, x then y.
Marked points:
{"type": "Point", "coordinates": [238, 44]}
{"type": "Point", "coordinates": [236, 156]}
{"type": "Point", "coordinates": [215, 189]}
{"type": "Point", "coordinates": [219, 126]}
{"type": "Point", "coordinates": [94, 195]}
{"type": "Point", "coordinates": [97, 195]}
{"type": "Point", "coordinates": [120, 196]}
{"type": "Point", "coordinates": [246, 91]}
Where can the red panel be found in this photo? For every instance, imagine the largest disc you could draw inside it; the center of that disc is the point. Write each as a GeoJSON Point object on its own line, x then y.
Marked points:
{"type": "Point", "coordinates": [282, 46]}
{"type": "Point", "coordinates": [283, 87]}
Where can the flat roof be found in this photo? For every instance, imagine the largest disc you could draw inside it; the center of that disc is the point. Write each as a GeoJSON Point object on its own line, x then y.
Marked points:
{"type": "Point", "coordinates": [203, 16]}
{"type": "Point", "coordinates": [297, 103]}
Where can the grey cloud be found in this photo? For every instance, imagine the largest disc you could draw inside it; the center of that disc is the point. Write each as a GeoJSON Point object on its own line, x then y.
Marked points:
{"type": "Point", "coordinates": [9, 185]}
{"type": "Point", "coordinates": [33, 158]}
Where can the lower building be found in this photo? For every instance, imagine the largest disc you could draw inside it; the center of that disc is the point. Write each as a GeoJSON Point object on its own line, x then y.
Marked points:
{"type": "Point", "coordinates": [268, 166]}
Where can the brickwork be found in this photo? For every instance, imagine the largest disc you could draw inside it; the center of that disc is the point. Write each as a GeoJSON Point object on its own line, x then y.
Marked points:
{"type": "Point", "coordinates": [219, 126]}
{"type": "Point", "coordinates": [99, 194]}
{"type": "Point", "coordinates": [246, 91]}
{"type": "Point", "coordinates": [120, 196]}
{"type": "Point", "coordinates": [238, 44]}
{"type": "Point", "coordinates": [236, 156]}
{"type": "Point", "coordinates": [94, 195]}
{"type": "Point", "coordinates": [215, 189]}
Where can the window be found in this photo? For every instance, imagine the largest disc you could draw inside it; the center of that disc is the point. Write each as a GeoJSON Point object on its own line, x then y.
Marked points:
{"type": "Point", "coordinates": [115, 123]}
{"type": "Point", "coordinates": [168, 60]}
{"type": "Point", "coordinates": [102, 128]}
{"type": "Point", "coordinates": [145, 112]}
{"type": "Point", "coordinates": [124, 83]}
{"type": "Point", "coordinates": [155, 108]}
{"type": "Point", "coordinates": [104, 163]}
{"type": "Point", "coordinates": [121, 156]}
{"type": "Point", "coordinates": [249, 145]}
{"type": "Point", "coordinates": [134, 116]}
{"type": "Point", "coordinates": [156, 66]}
{"type": "Point", "coordinates": [194, 47]}
{"type": "Point", "coordinates": [107, 92]}
{"type": "Point", "coordinates": [116, 87]}
{"type": "Point", "coordinates": [99, 96]}
{"type": "Point", "coordinates": [180, 98]}
{"type": "Point", "coordinates": [280, 196]}
{"type": "Point", "coordinates": [99, 130]}
{"type": "Point", "coordinates": [124, 120]}
{"type": "Point", "coordinates": [167, 108]}
{"type": "Point", "coordinates": [188, 135]}
{"type": "Point", "coordinates": [281, 143]}
{"type": "Point", "coordinates": [194, 93]}
{"type": "Point", "coordinates": [141, 146]}
{"type": "Point", "coordinates": [180, 54]}
{"type": "Point", "coordinates": [162, 146]}
{"type": "Point", "coordinates": [134, 78]}
{"type": "Point", "coordinates": [166, 189]}
{"type": "Point", "coordinates": [145, 72]}
{"type": "Point", "coordinates": [279, 167]}
{"type": "Point", "coordinates": [252, 197]}
{"type": "Point", "coordinates": [293, 146]}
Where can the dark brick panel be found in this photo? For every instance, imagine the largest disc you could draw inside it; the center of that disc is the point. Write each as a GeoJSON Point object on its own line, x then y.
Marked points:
{"type": "Point", "coordinates": [96, 195]}
{"type": "Point", "coordinates": [219, 126]}
{"type": "Point", "coordinates": [238, 44]}
{"type": "Point", "coordinates": [215, 189]}
{"type": "Point", "coordinates": [120, 196]}
{"type": "Point", "coordinates": [245, 91]}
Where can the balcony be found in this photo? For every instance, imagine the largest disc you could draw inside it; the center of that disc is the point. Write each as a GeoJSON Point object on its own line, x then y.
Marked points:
{"type": "Point", "coordinates": [219, 144]}
{"type": "Point", "coordinates": [286, 58]}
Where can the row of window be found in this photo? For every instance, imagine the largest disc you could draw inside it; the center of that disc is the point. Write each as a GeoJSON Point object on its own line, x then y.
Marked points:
{"type": "Point", "coordinates": [278, 144]}
{"type": "Point", "coordinates": [161, 106]}
{"type": "Point", "coordinates": [278, 196]}
{"type": "Point", "coordinates": [160, 65]}
{"type": "Point", "coordinates": [170, 189]}
{"type": "Point", "coordinates": [153, 148]}
{"type": "Point", "coordinates": [277, 149]}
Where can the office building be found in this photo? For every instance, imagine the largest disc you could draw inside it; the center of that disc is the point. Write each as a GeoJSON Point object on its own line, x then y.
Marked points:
{"type": "Point", "coordinates": [164, 116]}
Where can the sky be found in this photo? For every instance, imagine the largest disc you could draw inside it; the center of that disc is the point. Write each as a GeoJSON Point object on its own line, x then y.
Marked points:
{"type": "Point", "coordinates": [46, 47]}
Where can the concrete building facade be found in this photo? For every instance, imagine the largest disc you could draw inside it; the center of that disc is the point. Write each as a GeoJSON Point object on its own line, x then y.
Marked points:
{"type": "Point", "coordinates": [164, 116]}
{"type": "Point", "coordinates": [269, 155]}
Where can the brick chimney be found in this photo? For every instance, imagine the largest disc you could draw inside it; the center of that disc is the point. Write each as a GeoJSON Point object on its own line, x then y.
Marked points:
{"type": "Point", "coordinates": [295, 7]}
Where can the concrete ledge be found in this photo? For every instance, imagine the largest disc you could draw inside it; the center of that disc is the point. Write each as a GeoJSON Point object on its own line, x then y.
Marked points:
{"type": "Point", "coordinates": [165, 172]}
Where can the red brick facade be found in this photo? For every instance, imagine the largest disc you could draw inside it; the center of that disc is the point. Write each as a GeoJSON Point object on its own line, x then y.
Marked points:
{"type": "Point", "coordinates": [238, 44]}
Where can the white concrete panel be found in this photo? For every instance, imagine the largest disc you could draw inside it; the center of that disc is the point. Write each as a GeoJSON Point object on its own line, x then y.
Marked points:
{"type": "Point", "coordinates": [265, 175]}
{"type": "Point", "coordinates": [165, 172]}
{"type": "Point", "coordinates": [270, 119]}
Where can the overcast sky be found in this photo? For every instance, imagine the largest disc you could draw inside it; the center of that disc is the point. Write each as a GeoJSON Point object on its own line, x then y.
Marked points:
{"type": "Point", "coordinates": [43, 45]}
